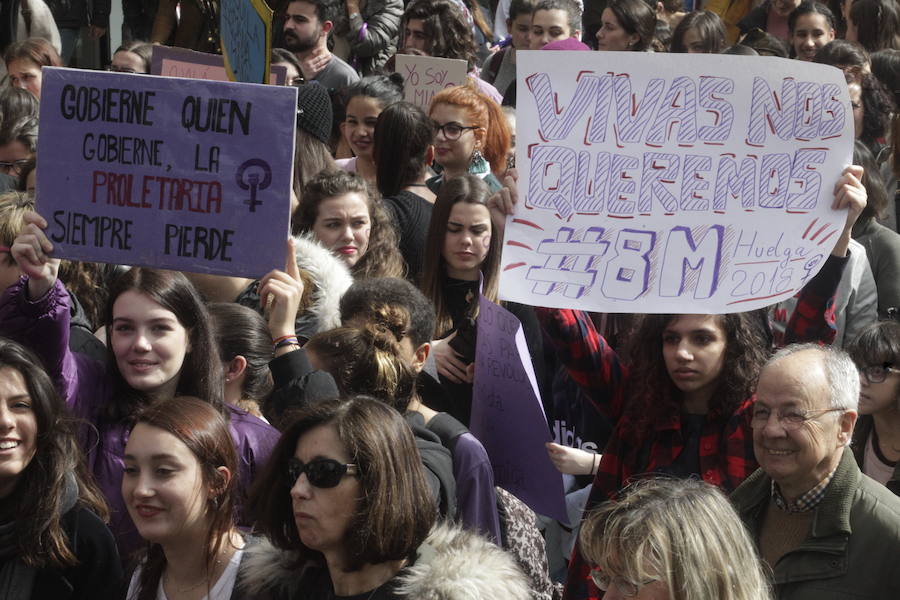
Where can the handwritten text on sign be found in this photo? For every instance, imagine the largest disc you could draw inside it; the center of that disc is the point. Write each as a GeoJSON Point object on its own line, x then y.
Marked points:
{"type": "Point", "coordinates": [246, 31]}
{"type": "Point", "coordinates": [707, 190]}
{"type": "Point", "coordinates": [171, 173]}
{"type": "Point", "coordinates": [180, 62]}
{"type": "Point", "coordinates": [425, 76]}
{"type": "Point", "coordinates": [507, 415]}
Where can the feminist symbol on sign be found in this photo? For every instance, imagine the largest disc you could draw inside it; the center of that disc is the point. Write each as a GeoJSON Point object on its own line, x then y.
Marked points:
{"type": "Point", "coordinates": [263, 171]}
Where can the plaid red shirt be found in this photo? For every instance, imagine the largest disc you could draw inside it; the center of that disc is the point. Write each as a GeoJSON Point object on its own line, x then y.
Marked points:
{"type": "Point", "coordinates": [726, 442]}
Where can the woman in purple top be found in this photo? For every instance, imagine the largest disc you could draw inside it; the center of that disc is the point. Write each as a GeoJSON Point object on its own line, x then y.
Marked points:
{"type": "Point", "coordinates": [159, 344]}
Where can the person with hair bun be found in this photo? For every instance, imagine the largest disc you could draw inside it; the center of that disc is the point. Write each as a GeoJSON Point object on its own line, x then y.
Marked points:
{"type": "Point", "coordinates": [53, 541]}
{"type": "Point", "coordinates": [672, 539]}
{"type": "Point", "coordinates": [472, 136]}
{"type": "Point", "coordinates": [363, 102]}
{"type": "Point", "coordinates": [627, 25]}
{"type": "Point", "coordinates": [180, 490]}
{"type": "Point", "coordinates": [348, 514]}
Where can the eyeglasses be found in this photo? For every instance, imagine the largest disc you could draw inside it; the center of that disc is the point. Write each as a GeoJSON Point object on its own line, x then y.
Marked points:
{"type": "Point", "coordinates": [15, 166]}
{"type": "Point", "coordinates": [878, 373]}
{"type": "Point", "coordinates": [452, 131]}
{"type": "Point", "coordinates": [321, 472]}
{"type": "Point", "coordinates": [627, 589]}
{"type": "Point", "coordinates": [118, 69]}
{"type": "Point", "coordinates": [298, 80]}
{"type": "Point", "coordinates": [790, 420]}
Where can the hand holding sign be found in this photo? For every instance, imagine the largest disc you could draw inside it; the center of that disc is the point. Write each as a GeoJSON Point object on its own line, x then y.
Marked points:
{"type": "Point", "coordinates": [31, 250]}
{"type": "Point", "coordinates": [849, 194]}
{"type": "Point", "coordinates": [280, 293]}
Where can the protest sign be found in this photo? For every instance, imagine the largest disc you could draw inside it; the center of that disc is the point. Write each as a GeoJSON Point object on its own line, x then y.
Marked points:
{"type": "Point", "coordinates": [424, 76]}
{"type": "Point", "coordinates": [171, 173]}
{"type": "Point", "coordinates": [650, 183]}
{"type": "Point", "coordinates": [168, 61]}
{"type": "Point", "coordinates": [507, 415]}
{"type": "Point", "coordinates": [245, 27]}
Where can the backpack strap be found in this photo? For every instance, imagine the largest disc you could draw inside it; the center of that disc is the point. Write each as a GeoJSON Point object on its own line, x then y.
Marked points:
{"type": "Point", "coordinates": [447, 428]}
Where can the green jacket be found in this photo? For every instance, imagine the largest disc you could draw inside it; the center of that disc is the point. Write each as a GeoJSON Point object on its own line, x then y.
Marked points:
{"type": "Point", "coordinates": [854, 543]}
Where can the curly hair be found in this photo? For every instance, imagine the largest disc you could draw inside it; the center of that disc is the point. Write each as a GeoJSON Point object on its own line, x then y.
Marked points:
{"type": "Point", "coordinates": [878, 106]}
{"type": "Point", "coordinates": [446, 28]}
{"type": "Point", "coordinates": [382, 257]}
{"type": "Point", "coordinates": [653, 393]}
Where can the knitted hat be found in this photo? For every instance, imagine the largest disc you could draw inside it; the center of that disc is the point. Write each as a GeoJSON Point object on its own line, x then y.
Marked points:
{"type": "Point", "coordinates": [314, 111]}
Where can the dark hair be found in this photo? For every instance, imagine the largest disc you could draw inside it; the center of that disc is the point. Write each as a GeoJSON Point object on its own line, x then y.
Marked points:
{"type": "Point", "coordinates": [40, 538]}
{"type": "Point", "coordinates": [17, 104]}
{"type": "Point", "coordinates": [518, 8]}
{"type": "Point", "coordinates": [204, 430]}
{"type": "Point", "coordinates": [877, 344]}
{"type": "Point", "coordinates": [878, 106]}
{"type": "Point", "coordinates": [570, 7]}
{"type": "Point", "coordinates": [368, 298]}
{"type": "Point", "coordinates": [765, 44]}
{"type": "Point", "coordinates": [877, 24]}
{"type": "Point", "coordinates": [841, 53]}
{"type": "Point", "coordinates": [367, 359]}
{"type": "Point", "coordinates": [810, 8]}
{"type": "Point", "coordinates": [886, 67]}
{"type": "Point", "coordinates": [876, 191]}
{"type": "Point", "coordinates": [472, 190]}
{"type": "Point", "coordinates": [382, 258]}
{"type": "Point", "coordinates": [662, 37]}
{"type": "Point", "coordinates": [326, 10]}
{"type": "Point", "coordinates": [446, 27]}
{"type": "Point", "coordinates": [403, 134]}
{"type": "Point", "coordinates": [311, 157]}
{"type": "Point", "coordinates": [740, 50]}
{"type": "Point", "coordinates": [672, 6]}
{"type": "Point", "coordinates": [395, 510]}
{"type": "Point", "coordinates": [387, 89]}
{"type": "Point", "coordinates": [23, 130]}
{"type": "Point", "coordinates": [486, 114]}
{"type": "Point", "coordinates": [478, 18]}
{"type": "Point", "coordinates": [142, 50]}
{"type": "Point", "coordinates": [280, 55]}
{"type": "Point", "coordinates": [708, 26]}
{"type": "Point", "coordinates": [241, 331]}
{"type": "Point", "coordinates": [37, 50]}
{"type": "Point", "coordinates": [637, 18]}
{"type": "Point", "coordinates": [201, 373]}
{"type": "Point", "coordinates": [653, 394]}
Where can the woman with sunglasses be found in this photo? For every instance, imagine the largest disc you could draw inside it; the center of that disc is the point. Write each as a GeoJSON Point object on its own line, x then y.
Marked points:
{"type": "Point", "coordinates": [346, 508]}
{"type": "Point", "coordinates": [876, 439]}
{"type": "Point", "coordinates": [179, 487]}
{"type": "Point", "coordinates": [472, 136]}
{"type": "Point", "coordinates": [672, 539]}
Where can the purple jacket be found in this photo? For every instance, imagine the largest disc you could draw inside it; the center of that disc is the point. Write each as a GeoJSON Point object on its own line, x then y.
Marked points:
{"type": "Point", "coordinates": [43, 326]}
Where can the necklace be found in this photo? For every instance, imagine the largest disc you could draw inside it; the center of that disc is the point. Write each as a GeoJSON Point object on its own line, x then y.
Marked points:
{"type": "Point", "coordinates": [168, 581]}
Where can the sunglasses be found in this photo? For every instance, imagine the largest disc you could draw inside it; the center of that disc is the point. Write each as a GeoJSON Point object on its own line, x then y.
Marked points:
{"type": "Point", "coordinates": [321, 472]}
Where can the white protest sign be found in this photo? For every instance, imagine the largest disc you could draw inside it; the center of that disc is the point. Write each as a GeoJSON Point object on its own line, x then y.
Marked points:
{"type": "Point", "coordinates": [663, 183]}
{"type": "Point", "coordinates": [424, 76]}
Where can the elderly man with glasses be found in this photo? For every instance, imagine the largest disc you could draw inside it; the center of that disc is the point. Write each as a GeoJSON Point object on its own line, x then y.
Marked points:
{"type": "Point", "coordinates": [825, 529]}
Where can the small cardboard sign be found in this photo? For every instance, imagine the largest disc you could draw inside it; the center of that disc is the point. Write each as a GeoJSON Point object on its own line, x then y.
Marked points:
{"type": "Point", "coordinates": [424, 76]}
{"type": "Point", "coordinates": [190, 64]}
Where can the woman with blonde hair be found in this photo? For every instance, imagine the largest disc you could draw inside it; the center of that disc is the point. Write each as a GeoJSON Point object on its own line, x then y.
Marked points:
{"type": "Point", "coordinates": [672, 539]}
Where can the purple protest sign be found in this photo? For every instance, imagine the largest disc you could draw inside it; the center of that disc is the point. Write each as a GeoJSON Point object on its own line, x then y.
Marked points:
{"type": "Point", "coordinates": [507, 416]}
{"type": "Point", "coordinates": [169, 173]}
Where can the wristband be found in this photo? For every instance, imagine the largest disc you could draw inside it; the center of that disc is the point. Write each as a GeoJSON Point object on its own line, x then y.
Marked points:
{"type": "Point", "coordinates": [290, 336]}
{"type": "Point", "coordinates": [594, 464]}
{"type": "Point", "coordinates": [291, 341]}
{"type": "Point", "coordinates": [362, 32]}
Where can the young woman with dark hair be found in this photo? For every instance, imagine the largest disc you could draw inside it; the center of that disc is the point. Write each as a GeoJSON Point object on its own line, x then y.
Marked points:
{"type": "Point", "coordinates": [363, 101]}
{"type": "Point", "coordinates": [699, 32]}
{"type": "Point", "coordinates": [132, 57]}
{"type": "Point", "coordinates": [875, 24]}
{"type": "Point", "coordinates": [159, 343]}
{"type": "Point", "coordinates": [346, 507]}
{"type": "Point", "coordinates": [627, 25]}
{"type": "Point", "coordinates": [53, 543]}
{"type": "Point", "coordinates": [849, 57]}
{"type": "Point", "coordinates": [180, 490]}
{"type": "Point", "coordinates": [340, 210]}
{"type": "Point", "coordinates": [811, 26]}
{"type": "Point", "coordinates": [873, 108]}
{"type": "Point", "coordinates": [24, 61]}
{"type": "Point", "coordinates": [404, 135]}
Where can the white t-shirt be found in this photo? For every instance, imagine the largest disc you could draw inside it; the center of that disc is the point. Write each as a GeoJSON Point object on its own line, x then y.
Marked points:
{"type": "Point", "coordinates": [220, 591]}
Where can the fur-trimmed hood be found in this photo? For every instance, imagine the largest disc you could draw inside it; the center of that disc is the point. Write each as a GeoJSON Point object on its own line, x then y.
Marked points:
{"type": "Point", "coordinates": [452, 564]}
{"type": "Point", "coordinates": [330, 276]}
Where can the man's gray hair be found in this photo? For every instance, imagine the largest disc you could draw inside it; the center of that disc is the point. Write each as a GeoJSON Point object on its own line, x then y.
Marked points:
{"type": "Point", "coordinates": [841, 373]}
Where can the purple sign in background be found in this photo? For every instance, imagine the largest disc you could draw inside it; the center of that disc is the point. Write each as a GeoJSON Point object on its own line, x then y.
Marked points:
{"type": "Point", "coordinates": [507, 416]}
{"type": "Point", "coordinates": [170, 173]}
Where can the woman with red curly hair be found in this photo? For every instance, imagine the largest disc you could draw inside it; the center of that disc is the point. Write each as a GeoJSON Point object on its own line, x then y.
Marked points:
{"type": "Point", "coordinates": [471, 136]}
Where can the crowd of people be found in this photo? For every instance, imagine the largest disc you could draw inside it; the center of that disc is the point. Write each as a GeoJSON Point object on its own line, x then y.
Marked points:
{"type": "Point", "coordinates": [184, 436]}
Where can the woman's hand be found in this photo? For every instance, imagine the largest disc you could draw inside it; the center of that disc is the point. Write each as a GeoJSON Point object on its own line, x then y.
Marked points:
{"type": "Point", "coordinates": [850, 194]}
{"type": "Point", "coordinates": [31, 250]}
{"type": "Point", "coordinates": [450, 365]}
{"type": "Point", "coordinates": [572, 461]}
{"type": "Point", "coordinates": [279, 294]}
{"type": "Point", "coordinates": [503, 202]}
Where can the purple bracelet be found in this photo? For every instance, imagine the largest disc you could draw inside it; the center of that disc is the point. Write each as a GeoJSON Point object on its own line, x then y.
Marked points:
{"type": "Point", "coordinates": [362, 32]}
